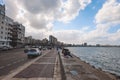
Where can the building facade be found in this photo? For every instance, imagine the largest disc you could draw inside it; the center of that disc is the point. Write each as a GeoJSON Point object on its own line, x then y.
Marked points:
{"type": "Point", "coordinates": [8, 25]}
{"type": "Point", "coordinates": [11, 33]}
{"type": "Point", "coordinates": [52, 40]}
{"type": "Point", "coordinates": [18, 34]}
{"type": "Point", "coordinates": [3, 28]}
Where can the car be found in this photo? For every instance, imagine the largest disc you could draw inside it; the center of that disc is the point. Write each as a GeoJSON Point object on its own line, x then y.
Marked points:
{"type": "Point", "coordinates": [10, 48]}
{"type": "Point", "coordinates": [4, 48]}
{"type": "Point", "coordinates": [33, 52]}
{"type": "Point", "coordinates": [44, 49]}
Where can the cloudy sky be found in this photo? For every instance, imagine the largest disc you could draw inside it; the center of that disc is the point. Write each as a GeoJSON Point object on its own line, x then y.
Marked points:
{"type": "Point", "coordinates": [71, 21]}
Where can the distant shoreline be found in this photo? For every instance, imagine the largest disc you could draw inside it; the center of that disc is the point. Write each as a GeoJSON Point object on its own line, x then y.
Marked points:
{"type": "Point", "coordinates": [91, 46]}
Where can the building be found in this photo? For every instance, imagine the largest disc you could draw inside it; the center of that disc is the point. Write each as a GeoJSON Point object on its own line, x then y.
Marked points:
{"type": "Point", "coordinates": [33, 42]}
{"type": "Point", "coordinates": [8, 25]}
{"type": "Point", "coordinates": [28, 40]}
{"type": "Point", "coordinates": [52, 40]}
{"type": "Point", "coordinates": [3, 28]}
{"type": "Point", "coordinates": [18, 33]}
{"type": "Point", "coordinates": [85, 44]}
{"type": "Point", "coordinates": [11, 33]}
{"type": "Point", "coordinates": [45, 41]}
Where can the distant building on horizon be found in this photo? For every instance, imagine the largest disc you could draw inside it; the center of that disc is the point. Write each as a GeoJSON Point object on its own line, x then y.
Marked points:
{"type": "Point", "coordinates": [52, 40]}
{"type": "Point", "coordinates": [85, 44]}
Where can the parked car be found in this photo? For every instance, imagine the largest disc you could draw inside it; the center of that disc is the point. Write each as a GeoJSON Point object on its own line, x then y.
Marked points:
{"type": "Point", "coordinates": [44, 49]}
{"type": "Point", "coordinates": [10, 47]}
{"type": "Point", "coordinates": [0, 48]}
{"type": "Point", "coordinates": [31, 52]}
{"type": "Point", "coordinates": [4, 48]}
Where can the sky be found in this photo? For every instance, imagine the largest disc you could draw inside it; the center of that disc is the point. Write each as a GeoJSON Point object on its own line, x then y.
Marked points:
{"type": "Point", "coordinates": [70, 21]}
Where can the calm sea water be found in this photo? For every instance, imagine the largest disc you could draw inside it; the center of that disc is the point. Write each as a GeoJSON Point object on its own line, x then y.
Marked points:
{"type": "Point", "coordinates": [106, 58]}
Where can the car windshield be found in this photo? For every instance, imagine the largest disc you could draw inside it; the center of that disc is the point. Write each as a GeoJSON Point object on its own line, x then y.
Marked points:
{"type": "Point", "coordinates": [32, 50]}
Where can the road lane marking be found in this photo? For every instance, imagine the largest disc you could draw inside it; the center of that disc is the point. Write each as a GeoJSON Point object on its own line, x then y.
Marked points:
{"type": "Point", "coordinates": [43, 63]}
{"type": "Point", "coordinates": [2, 67]}
{"type": "Point", "coordinates": [18, 61]}
{"type": "Point", "coordinates": [14, 62]}
{"type": "Point", "coordinates": [22, 59]}
{"type": "Point", "coordinates": [9, 64]}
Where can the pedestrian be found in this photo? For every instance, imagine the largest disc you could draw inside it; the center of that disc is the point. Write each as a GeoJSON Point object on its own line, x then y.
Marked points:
{"type": "Point", "coordinates": [66, 53]}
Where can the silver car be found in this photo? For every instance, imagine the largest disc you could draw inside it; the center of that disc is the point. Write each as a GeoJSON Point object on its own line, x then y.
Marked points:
{"type": "Point", "coordinates": [33, 52]}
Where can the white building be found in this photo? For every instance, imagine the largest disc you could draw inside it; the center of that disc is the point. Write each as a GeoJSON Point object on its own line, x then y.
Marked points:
{"type": "Point", "coordinates": [11, 33]}
{"type": "Point", "coordinates": [53, 40]}
{"type": "Point", "coordinates": [3, 28]}
{"type": "Point", "coordinates": [18, 33]}
{"type": "Point", "coordinates": [8, 25]}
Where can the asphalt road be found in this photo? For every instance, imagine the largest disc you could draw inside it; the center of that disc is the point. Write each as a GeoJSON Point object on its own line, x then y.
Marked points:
{"type": "Point", "coordinates": [11, 59]}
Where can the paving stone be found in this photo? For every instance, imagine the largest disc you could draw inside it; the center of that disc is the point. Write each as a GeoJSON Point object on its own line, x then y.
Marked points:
{"type": "Point", "coordinates": [46, 60]}
{"type": "Point", "coordinates": [33, 79]}
{"type": "Point", "coordinates": [41, 78]}
{"type": "Point", "coordinates": [36, 71]}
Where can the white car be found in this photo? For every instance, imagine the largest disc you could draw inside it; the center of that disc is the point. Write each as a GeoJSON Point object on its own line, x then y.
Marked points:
{"type": "Point", "coordinates": [4, 48]}
{"type": "Point", "coordinates": [33, 52]}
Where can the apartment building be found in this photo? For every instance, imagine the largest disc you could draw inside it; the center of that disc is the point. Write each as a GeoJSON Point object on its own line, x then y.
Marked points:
{"type": "Point", "coordinates": [11, 33]}
{"type": "Point", "coordinates": [31, 41]}
{"type": "Point", "coordinates": [8, 25]}
{"type": "Point", "coordinates": [3, 28]}
{"type": "Point", "coordinates": [18, 34]}
{"type": "Point", "coordinates": [53, 40]}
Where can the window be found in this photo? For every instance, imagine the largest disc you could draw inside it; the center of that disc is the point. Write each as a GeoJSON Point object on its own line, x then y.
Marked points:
{"type": "Point", "coordinates": [1, 27]}
{"type": "Point", "coordinates": [2, 17]}
{"type": "Point", "coordinates": [2, 22]}
{"type": "Point", "coordinates": [6, 33]}
{"type": "Point", "coordinates": [1, 32]}
{"type": "Point", "coordinates": [3, 43]}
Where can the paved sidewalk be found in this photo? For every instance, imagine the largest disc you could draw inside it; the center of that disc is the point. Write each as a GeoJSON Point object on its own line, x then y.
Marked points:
{"type": "Point", "coordinates": [44, 67]}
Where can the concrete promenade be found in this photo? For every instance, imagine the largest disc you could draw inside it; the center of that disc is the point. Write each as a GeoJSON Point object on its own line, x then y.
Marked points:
{"type": "Point", "coordinates": [76, 69]}
{"type": "Point", "coordinates": [53, 66]}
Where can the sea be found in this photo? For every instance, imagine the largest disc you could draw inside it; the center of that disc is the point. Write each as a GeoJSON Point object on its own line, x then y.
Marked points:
{"type": "Point", "coordinates": [106, 58]}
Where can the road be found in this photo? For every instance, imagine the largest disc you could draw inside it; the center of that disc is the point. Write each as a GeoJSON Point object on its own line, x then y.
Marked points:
{"type": "Point", "coordinates": [42, 67]}
{"type": "Point", "coordinates": [11, 59]}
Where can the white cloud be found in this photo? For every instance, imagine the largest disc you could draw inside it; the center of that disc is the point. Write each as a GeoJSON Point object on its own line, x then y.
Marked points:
{"type": "Point", "coordinates": [70, 9]}
{"type": "Point", "coordinates": [107, 17]}
{"type": "Point", "coordinates": [39, 15]}
{"type": "Point", "coordinates": [115, 36]}
{"type": "Point", "coordinates": [109, 13]}
{"type": "Point", "coordinates": [11, 8]}
{"type": "Point", "coordinates": [68, 36]}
